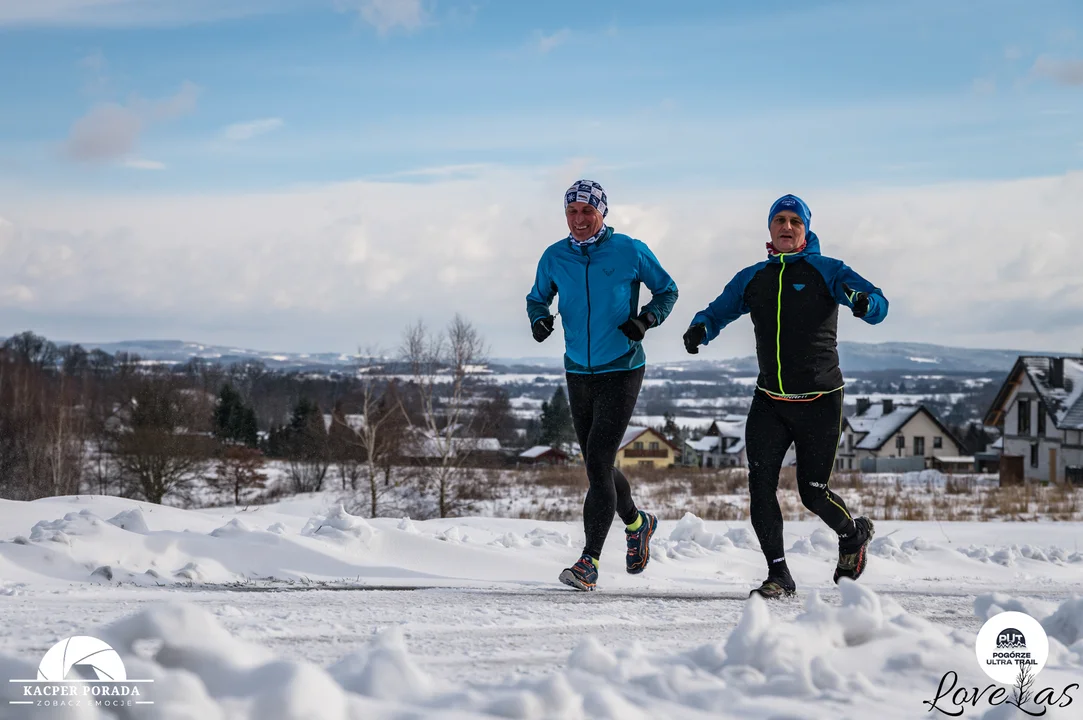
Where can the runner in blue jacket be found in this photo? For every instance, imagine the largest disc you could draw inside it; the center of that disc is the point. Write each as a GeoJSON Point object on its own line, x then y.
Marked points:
{"type": "Point", "coordinates": [793, 298]}
{"type": "Point", "coordinates": [596, 275]}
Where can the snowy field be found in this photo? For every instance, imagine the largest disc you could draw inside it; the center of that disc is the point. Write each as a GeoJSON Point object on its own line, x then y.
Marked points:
{"type": "Point", "coordinates": [297, 610]}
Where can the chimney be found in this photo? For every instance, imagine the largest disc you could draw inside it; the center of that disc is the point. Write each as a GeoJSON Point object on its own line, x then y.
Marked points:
{"type": "Point", "coordinates": [1056, 372]}
{"type": "Point", "coordinates": [863, 405]}
{"type": "Point", "coordinates": [889, 406]}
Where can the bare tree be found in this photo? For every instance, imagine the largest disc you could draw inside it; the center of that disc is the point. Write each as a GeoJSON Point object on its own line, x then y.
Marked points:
{"type": "Point", "coordinates": [440, 366]}
{"type": "Point", "coordinates": [164, 445]}
{"type": "Point", "coordinates": [239, 469]}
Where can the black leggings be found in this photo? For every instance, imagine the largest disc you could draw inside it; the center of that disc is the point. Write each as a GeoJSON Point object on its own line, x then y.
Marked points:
{"type": "Point", "coordinates": [814, 428]}
{"type": "Point", "coordinates": [601, 407]}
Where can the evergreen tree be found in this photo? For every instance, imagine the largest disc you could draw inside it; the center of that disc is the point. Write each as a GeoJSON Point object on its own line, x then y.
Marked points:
{"type": "Point", "coordinates": [671, 431]}
{"type": "Point", "coordinates": [233, 420]}
{"type": "Point", "coordinates": [556, 421]}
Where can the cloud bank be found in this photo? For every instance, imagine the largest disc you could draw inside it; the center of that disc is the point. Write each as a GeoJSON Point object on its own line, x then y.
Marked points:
{"type": "Point", "coordinates": [338, 266]}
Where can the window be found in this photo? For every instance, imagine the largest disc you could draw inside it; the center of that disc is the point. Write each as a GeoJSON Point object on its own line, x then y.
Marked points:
{"type": "Point", "coordinates": [1041, 418]}
{"type": "Point", "coordinates": [938, 442]}
{"type": "Point", "coordinates": [1034, 455]}
{"type": "Point", "coordinates": [1022, 409]}
{"type": "Point", "coordinates": [850, 441]}
{"type": "Point", "coordinates": [638, 445]}
{"type": "Point", "coordinates": [919, 445]}
{"type": "Point", "coordinates": [850, 462]}
{"type": "Point", "coordinates": [653, 446]}
{"type": "Point", "coordinates": [900, 442]}
{"type": "Point", "coordinates": [839, 464]}
{"type": "Point", "coordinates": [646, 463]}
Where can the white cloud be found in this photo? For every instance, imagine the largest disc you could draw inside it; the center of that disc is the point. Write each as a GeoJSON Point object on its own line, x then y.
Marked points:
{"type": "Point", "coordinates": [111, 131]}
{"type": "Point", "coordinates": [548, 42]}
{"type": "Point", "coordinates": [386, 15]}
{"type": "Point", "coordinates": [984, 86]}
{"type": "Point", "coordinates": [1066, 72]}
{"type": "Point", "coordinates": [144, 164]}
{"type": "Point", "coordinates": [241, 131]}
{"type": "Point", "coordinates": [1012, 52]}
{"type": "Point", "coordinates": [344, 265]}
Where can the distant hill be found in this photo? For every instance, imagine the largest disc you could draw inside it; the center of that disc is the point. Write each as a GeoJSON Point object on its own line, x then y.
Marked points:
{"type": "Point", "coordinates": [864, 357]}
{"type": "Point", "coordinates": [854, 357]}
{"type": "Point", "coordinates": [920, 357]}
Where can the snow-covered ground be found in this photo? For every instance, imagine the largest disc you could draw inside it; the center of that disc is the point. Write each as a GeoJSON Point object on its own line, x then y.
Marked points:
{"type": "Point", "coordinates": [297, 610]}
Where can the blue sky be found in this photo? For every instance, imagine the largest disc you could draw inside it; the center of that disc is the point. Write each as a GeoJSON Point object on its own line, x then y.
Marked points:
{"type": "Point", "coordinates": [726, 93]}
{"type": "Point", "coordinates": [167, 99]}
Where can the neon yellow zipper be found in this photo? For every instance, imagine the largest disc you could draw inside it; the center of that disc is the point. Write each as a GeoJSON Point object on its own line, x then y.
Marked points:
{"type": "Point", "coordinates": [778, 325]}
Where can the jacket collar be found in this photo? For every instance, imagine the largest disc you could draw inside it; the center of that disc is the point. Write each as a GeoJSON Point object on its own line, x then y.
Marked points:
{"type": "Point", "coordinates": [812, 247]}
{"type": "Point", "coordinates": [584, 249]}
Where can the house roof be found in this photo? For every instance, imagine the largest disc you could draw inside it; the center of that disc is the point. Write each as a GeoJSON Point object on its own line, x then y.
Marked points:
{"type": "Point", "coordinates": [1064, 404]}
{"type": "Point", "coordinates": [634, 431]}
{"type": "Point", "coordinates": [707, 443]}
{"type": "Point", "coordinates": [881, 427]}
{"type": "Point", "coordinates": [731, 426]}
{"type": "Point", "coordinates": [425, 446]}
{"type": "Point", "coordinates": [878, 428]}
{"type": "Point", "coordinates": [539, 450]}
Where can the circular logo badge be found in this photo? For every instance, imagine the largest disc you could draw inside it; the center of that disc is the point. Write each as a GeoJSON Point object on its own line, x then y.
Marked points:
{"type": "Point", "coordinates": [86, 652]}
{"type": "Point", "coordinates": [1009, 642]}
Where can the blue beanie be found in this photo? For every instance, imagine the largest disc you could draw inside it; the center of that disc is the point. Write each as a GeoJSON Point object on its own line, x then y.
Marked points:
{"type": "Point", "coordinates": [793, 204]}
{"type": "Point", "coordinates": [590, 192]}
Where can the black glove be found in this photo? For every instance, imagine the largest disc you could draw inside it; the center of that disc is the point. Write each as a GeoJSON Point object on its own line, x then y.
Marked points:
{"type": "Point", "coordinates": [859, 300]}
{"type": "Point", "coordinates": [542, 328]}
{"type": "Point", "coordinates": [635, 328]}
{"type": "Point", "coordinates": [694, 337]}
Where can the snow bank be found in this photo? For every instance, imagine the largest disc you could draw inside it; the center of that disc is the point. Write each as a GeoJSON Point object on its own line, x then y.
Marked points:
{"type": "Point", "coordinates": [339, 525]}
{"type": "Point", "coordinates": [865, 655]}
{"type": "Point", "coordinates": [131, 520]}
{"type": "Point", "coordinates": [691, 529]}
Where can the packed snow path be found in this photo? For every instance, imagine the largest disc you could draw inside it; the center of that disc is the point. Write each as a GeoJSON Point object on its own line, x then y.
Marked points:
{"type": "Point", "coordinates": [453, 634]}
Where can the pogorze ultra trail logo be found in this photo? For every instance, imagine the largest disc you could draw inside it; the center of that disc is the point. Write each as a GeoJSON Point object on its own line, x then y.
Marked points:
{"type": "Point", "coordinates": [82, 671]}
{"type": "Point", "coordinates": [1011, 648]}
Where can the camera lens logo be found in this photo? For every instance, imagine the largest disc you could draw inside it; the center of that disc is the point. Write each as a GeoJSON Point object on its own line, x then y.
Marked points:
{"type": "Point", "coordinates": [92, 659]}
{"type": "Point", "coordinates": [1009, 642]}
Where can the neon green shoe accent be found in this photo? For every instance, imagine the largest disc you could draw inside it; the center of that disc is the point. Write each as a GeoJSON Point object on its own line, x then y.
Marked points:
{"type": "Point", "coordinates": [637, 524]}
{"type": "Point", "coordinates": [595, 561]}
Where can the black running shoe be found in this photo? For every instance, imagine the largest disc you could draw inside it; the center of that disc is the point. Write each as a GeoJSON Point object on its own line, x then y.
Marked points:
{"type": "Point", "coordinates": [853, 551]}
{"type": "Point", "coordinates": [774, 588]}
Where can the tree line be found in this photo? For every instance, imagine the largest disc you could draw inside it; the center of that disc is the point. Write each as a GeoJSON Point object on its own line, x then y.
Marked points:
{"type": "Point", "coordinates": [77, 421]}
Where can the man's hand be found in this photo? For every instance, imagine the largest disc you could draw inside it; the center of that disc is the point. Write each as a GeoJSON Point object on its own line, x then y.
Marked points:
{"type": "Point", "coordinates": [635, 328]}
{"type": "Point", "coordinates": [542, 328]}
{"type": "Point", "coordinates": [859, 300]}
{"type": "Point", "coordinates": [694, 337]}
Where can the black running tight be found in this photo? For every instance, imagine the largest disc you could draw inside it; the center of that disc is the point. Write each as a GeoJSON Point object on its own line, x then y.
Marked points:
{"type": "Point", "coordinates": [601, 407]}
{"type": "Point", "coordinates": [814, 428]}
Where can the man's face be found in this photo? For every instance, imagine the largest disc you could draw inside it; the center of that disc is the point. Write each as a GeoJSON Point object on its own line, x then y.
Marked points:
{"type": "Point", "coordinates": [584, 220]}
{"type": "Point", "coordinates": [787, 231]}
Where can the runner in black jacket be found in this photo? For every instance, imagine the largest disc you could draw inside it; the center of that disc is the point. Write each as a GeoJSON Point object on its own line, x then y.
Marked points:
{"type": "Point", "coordinates": [793, 298]}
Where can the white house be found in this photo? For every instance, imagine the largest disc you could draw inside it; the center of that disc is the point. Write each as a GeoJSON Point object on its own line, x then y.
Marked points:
{"type": "Point", "coordinates": [883, 430]}
{"type": "Point", "coordinates": [723, 445]}
{"type": "Point", "coordinates": [1039, 411]}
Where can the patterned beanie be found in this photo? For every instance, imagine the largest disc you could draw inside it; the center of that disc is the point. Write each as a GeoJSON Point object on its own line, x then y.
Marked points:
{"type": "Point", "coordinates": [587, 191]}
{"type": "Point", "coordinates": [795, 205]}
